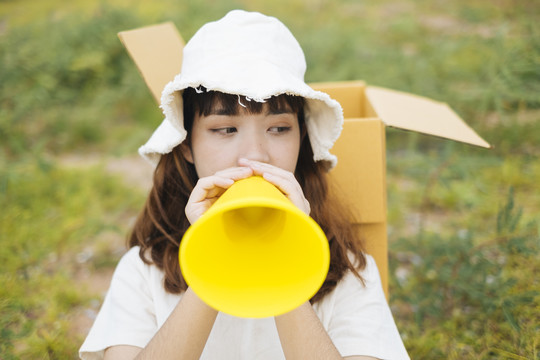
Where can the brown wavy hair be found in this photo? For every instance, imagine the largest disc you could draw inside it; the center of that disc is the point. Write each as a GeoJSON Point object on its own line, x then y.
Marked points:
{"type": "Point", "coordinates": [162, 222]}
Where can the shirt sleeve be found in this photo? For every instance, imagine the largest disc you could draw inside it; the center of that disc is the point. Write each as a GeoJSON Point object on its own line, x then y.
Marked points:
{"type": "Point", "coordinates": [358, 318]}
{"type": "Point", "coordinates": [127, 316]}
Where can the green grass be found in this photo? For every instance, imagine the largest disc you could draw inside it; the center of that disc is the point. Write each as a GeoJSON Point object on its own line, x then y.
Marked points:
{"type": "Point", "coordinates": [464, 223]}
{"type": "Point", "coordinates": [50, 216]}
{"type": "Point", "coordinates": [461, 284]}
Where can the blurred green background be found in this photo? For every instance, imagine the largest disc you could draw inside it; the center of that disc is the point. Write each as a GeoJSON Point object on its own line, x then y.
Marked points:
{"type": "Point", "coordinates": [464, 222]}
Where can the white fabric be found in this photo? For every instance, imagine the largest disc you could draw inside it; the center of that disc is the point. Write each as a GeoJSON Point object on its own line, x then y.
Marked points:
{"type": "Point", "coordinates": [357, 318]}
{"type": "Point", "coordinates": [249, 54]}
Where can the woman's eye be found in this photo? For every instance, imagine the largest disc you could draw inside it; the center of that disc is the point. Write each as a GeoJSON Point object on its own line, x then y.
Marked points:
{"type": "Point", "coordinates": [225, 130]}
{"type": "Point", "coordinates": [280, 129]}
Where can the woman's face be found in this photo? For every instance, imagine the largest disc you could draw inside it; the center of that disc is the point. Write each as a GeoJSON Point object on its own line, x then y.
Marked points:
{"type": "Point", "coordinates": [220, 139]}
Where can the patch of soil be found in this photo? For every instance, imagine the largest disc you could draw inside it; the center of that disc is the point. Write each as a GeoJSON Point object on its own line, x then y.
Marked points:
{"type": "Point", "coordinates": [134, 170]}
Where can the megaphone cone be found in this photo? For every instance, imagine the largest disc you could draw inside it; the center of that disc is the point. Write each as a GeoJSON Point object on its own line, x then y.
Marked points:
{"type": "Point", "coordinates": [253, 253]}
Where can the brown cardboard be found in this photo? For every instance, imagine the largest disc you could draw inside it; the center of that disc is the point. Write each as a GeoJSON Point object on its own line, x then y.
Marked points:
{"type": "Point", "coordinates": [157, 52]}
{"type": "Point", "coordinates": [412, 112]}
{"type": "Point", "coordinates": [359, 179]}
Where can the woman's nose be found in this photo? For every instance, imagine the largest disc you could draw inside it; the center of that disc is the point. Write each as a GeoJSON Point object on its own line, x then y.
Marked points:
{"type": "Point", "coordinates": [255, 148]}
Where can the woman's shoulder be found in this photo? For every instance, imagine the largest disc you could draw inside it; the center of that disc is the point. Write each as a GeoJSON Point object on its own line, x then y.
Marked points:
{"type": "Point", "coordinates": [131, 259]}
{"type": "Point", "coordinates": [366, 280]}
{"type": "Point", "coordinates": [132, 265]}
{"type": "Point", "coordinates": [371, 270]}
{"type": "Point", "coordinates": [367, 269]}
{"type": "Point", "coordinates": [141, 279]}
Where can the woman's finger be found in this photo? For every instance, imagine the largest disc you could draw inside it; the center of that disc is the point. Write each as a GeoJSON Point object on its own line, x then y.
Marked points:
{"type": "Point", "coordinates": [209, 189]}
{"type": "Point", "coordinates": [284, 180]}
{"type": "Point", "coordinates": [292, 190]}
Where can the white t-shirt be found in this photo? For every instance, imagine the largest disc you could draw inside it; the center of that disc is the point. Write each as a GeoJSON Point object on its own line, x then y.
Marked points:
{"type": "Point", "coordinates": [357, 318]}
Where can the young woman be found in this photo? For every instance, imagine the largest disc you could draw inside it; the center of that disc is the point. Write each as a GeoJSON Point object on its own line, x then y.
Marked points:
{"type": "Point", "coordinates": [240, 108]}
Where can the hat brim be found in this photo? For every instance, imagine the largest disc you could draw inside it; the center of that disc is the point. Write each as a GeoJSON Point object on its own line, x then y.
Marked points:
{"type": "Point", "coordinates": [324, 116]}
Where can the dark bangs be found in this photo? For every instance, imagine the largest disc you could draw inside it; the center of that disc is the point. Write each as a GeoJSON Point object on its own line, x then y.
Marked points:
{"type": "Point", "coordinates": [207, 102]}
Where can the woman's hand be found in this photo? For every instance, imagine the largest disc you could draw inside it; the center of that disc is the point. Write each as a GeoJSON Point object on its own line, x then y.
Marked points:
{"type": "Point", "coordinates": [284, 180]}
{"type": "Point", "coordinates": [210, 188]}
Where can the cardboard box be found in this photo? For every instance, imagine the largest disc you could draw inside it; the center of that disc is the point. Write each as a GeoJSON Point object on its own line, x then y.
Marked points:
{"type": "Point", "coordinates": [360, 176]}
{"type": "Point", "coordinates": [359, 179]}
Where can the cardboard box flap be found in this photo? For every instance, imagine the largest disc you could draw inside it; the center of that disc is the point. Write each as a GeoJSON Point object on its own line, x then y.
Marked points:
{"type": "Point", "coordinates": [157, 52]}
{"type": "Point", "coordinates": [416, 113]}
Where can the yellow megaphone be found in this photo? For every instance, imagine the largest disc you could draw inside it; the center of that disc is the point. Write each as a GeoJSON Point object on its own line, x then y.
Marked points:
{"type": "Point", "coordinates": [253, 253]}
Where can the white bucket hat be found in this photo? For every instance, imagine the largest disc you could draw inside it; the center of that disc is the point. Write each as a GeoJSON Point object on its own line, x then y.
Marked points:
{"type": "Point", "coordinates": [249, 54]}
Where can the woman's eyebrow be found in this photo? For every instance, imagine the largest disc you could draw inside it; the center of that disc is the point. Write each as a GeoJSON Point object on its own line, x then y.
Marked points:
{"type": "Point", "coordinates": [222, 111]}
